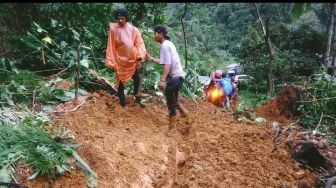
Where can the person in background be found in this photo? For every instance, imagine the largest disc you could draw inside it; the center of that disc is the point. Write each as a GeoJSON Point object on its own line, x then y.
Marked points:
{"type": "Point", "coordinates": [172, 76]}
{"type": "Point", "coordinates": [226, 85]}
{"type": "Point", "coordinates": [124, 54]}
{"type": "Point", "coordinates": [235, 90]}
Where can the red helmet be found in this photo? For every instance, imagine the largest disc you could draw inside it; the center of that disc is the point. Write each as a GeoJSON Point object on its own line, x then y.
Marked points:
{"type": "Point", "coordinates": [218, 75]}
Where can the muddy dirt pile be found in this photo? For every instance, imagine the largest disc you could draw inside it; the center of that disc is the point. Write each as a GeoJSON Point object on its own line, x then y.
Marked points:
{"type": "Point", "coordinates": [136, 147]}
{"type": "Point", "coordinates": [281, 108]}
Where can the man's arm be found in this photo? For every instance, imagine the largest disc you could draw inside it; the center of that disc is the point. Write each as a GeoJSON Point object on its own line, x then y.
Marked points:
{"type": "Point", "coordinates": [154, 60]}
{"type": "Point", "coordinates": [166, 69]}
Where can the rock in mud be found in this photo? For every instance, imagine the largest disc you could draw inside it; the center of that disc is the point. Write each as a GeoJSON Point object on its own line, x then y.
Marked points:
{"type": "Point", "coordinates": [180, 158]}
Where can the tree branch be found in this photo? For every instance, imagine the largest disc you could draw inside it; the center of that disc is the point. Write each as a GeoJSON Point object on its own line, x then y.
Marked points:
{"type": "Point", "coordinates": [185, 40]}
{"type": "Point", "coordinates": [317, 100]}
{"type": "Point", "coordinates": [261, 22]}
{"type": "Point", "coordinates": [3, 54]}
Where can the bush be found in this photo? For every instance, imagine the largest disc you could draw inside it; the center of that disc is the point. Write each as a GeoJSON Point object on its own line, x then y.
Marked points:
{"type": "Point", "coordinates": [318, 111]}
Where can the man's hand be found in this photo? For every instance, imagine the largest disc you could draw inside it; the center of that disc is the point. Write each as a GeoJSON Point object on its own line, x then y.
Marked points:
{"type": "Point", "coordinates": [162, 85]}
{"type": "Point", "coordinates": [149, 58]}
{"type": "Point", "coordinates": [139, 61]}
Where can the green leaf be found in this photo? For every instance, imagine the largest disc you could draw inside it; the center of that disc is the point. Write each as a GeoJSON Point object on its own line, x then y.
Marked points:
{"type": "Point", "coordinates": [53, 23]}
{"type": "Point", "coordinates": [10, 102]}
{"type": "Point", "coordinates": [297, 11]}
{"type": "Point", "coordinates": [63, 44]}
{"type": "Point", "coordinates": [39, 29]}
{"type": "Point", "coordinates": [47, 39]}
{"type": "Point", "coordinates": [5, 175]}
{"type": "Point", "coordinates": [36, 25]}
{"type": "Point", "coordinates": [308, 7]}
{"type": "Point", "coordinates": [63, 95]}
{"type": "Point", "coordinates": [86, 47]}
{"type": "Point", "coordinates": [85, 63]}
{"type": "Point", "coordinates": [47, 109]}
{"type": "Point", "coordinates": [34, 175]}
{"type": "Point", "coordinates": [75, 34]}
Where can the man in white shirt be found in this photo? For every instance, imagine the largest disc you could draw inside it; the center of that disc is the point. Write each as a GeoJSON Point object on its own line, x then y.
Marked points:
{"type": "Point", "coordinates": [173, 75]}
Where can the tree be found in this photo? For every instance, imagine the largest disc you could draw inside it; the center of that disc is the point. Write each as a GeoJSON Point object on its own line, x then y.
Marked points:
{"type": "Point", "coordinates": [270, 50]}
{"type": "Point", "coordinates": [184, 37]}
{"type": "Point", "coordinates": [329, 35]}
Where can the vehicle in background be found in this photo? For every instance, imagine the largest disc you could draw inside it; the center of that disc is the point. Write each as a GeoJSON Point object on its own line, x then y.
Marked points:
{"type": "Point", "coordinates": [243, 77]}
{"type": "Point", "coordinates": [231, 73]}
{"type": "Point", "coordinates": [242, 81]}
{"type": "Point", "coordinates": [234, 67]}
{"type": "Point", "coordinates": [205, 80]}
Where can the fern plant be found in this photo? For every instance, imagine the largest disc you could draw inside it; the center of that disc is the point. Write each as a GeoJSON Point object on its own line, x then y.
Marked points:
{"type": "Point", "coordinates": [36, 147]}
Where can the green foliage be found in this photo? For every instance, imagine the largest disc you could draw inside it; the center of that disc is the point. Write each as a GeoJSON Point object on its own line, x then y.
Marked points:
{"type": "Point", "coordinates": [217, 34]}
{"type": "Point", "coordinates": [35, 147]}
{"type": "Point", "coordinates": [300, 43]}
{"type": "Point", "coordinates": [61, 24]}
{"type": "Point", "coordinates": [146, 14]}
{"type": "Point", "coordinates": [16, 18]}
{"type": "Point", "coordinates": [299, 9]}
{"type": "Point", "coordinates": [55, 96]}
{"type": "Point", "coordinates": [22, 86]}
{"type": "Point", "coordinates": [205, 39]}
{"type": "Point", "coordinates": [191, 80]}
{"type": "Point", "coordinates": [52, 43]}
{"type": "Point", "coordinates": [318, 111]}
{"type": "Point", "coordinates": [253, 100]}
{"type": "Point", "coordinates": [19, 87]}
{"type": "Point", "coordinates": [252, 55]}
{"type": "Point", "coordinates": [6, 69]}
{"type": "Point", "coordinates": [47, 48]}
{"type": "Point", "coordinates": [296, 45]}
{"type": "Point", "coordinates": [152, 72]}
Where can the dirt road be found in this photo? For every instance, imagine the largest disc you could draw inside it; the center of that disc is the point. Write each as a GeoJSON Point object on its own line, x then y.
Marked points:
{"type": "Point", "coordinates": [134, 147]}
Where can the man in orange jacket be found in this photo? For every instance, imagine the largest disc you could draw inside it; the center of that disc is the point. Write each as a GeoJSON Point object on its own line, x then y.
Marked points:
{"type": "Point", "coordinates": [124, 54]}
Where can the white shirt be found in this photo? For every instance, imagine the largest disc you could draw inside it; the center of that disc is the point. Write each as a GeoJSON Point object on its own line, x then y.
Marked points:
{"type": "Point", "coordinates": [169, 55]}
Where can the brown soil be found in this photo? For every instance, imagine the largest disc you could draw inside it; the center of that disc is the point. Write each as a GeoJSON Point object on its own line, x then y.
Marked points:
{"type": "Point", "coordinates": [136, 147]}
{"type": "Point", "coordinates": [281, 108]}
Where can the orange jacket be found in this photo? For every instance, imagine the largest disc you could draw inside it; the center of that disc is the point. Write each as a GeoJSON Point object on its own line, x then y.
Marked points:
{"type": "Point", "coordinates": [124, 46]}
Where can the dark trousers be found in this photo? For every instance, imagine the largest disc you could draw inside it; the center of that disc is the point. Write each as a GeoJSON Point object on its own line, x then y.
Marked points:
{"type": "Point", "coordinates": [121, 88]}
{"type": "Point", "coordinates": [171, 93]}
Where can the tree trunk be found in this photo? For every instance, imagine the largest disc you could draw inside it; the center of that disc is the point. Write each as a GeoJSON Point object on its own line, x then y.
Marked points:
{"type": "Point", "coordinates": [78, 72]}
{"type": "Point", "coordinates": [329, 33]}
{"type": "Point", "coordinates": [270, 50]}
{"type": "Point", "coordinates": [184, 37]}
{"type": "Point", "coordinates": [103, 81]}
{"type": "Point", "coordinates": [271, 60]}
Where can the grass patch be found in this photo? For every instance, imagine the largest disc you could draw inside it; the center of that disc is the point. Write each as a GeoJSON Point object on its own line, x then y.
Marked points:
{"type": "Point", "coordinates": [251, 99]}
